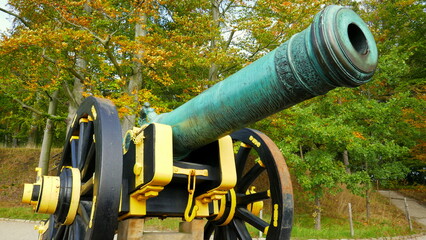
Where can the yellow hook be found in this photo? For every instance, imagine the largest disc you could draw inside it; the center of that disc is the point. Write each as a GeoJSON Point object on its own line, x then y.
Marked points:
{"type": "Point", "coordinates": [191, 189]}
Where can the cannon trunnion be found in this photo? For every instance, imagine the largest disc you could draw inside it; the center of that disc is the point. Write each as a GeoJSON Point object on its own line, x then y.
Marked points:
{"type": "Point", "coordinates": [198, 161]}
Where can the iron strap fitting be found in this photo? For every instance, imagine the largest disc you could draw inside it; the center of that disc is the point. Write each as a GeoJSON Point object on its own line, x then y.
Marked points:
{"type": "Point", "coordinates": [192, 179]}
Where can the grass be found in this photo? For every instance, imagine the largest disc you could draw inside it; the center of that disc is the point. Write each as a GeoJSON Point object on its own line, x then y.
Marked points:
{"type": "Point", "coordinates": [168, 224]}
{"type": "Point", "coordinates": [332, 228]}
{"type": "Point", "coordinates": [26, 213]}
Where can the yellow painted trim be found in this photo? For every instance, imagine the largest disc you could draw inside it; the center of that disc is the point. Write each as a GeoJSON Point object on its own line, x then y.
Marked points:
{"type": "Point", "coordinates": [163, 167]}
{"type": "Point", "coordinates": [254, 141]}
{"type": "Point", "coordinates": [232, 208]}
{"type": "Point", "coordinates": [75, 196]}
{"type": "Point", "coordinates": [245, 145]}
{"type": "Point", "coordinates": [74, 138]}
{"type": "Point", "coordinates": [49, 195]}
{"type": "Point", "coordinates": [139, 176]}
{"type": "Point", "coordinates": [275, 216]}
{"type": "Point", "coordinates": [163, 155]}
{"type": "Point", "coordinates": [83, 120]}
{"type": "Point", "coordinates": [137, 209]}
{"type": "Point", "coordinates": [255, 207]}
{"type": "Point", "coordinates": [42, 228]}
{"type": "Point", "coordinates": [163, 172]}
{"type": "Point", "coordinates": [29, 188]}
{"type": "Point", "coordinates": [228, 172]}
{"type": "Point", "coordinates": [265, 231]}
{"type": "Point", "coordinates": [137, 137]}
{"type": "Point", "coordinates": [94, 113]}
{"type": "Point", "coordinates": [146, 192]}
{"type": "Point", "coordinates": [215, 207]}
{"type": "Point", "coordinates": [121, 199]}
{"type": "Point", "coordinates": [138, 201]}
{"type": "Point", "coordinates": [204, 208]}
{"type": "Point", "coordinates": [192, 172]}
{"type": "Point", "coordinates": [221, 208]}
{"type": "Point", "coordinates": [189, 215]}
{"type": "Point", "coordinates": [92, 212]}
{"type": "Point", "coordinates": [227, 164]}
{"type": "Point", "coordinates": [28, 192]}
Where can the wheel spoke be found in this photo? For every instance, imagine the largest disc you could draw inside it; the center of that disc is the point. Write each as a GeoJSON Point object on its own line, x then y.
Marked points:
{"type": "Point", "coordinates": [60, 232]}
{"type": "Point", "coordinates": [249, 178]}
{"type": "Point", "coordinates": [84, 212]}
{"type": "Point", "coordinates": [84, 142]}
{"type": "Point", "coordinates": [228, 233]}
{"type": "Point", "coordinates": [251, 219]}
{"type": "Point", "coordinates": [90, 156]}
{"type": "Point", "coordinates": [241, 229]}
{"type": "Point", "coordinates": [87, 186]}
{"type": "Point", "coordinates": [78, 228]}
{"type": "Point", "coordinates": [208, 230]}
{"type": "Point", "coordinates": [74, 152]}
{"type": "Point", "coordinates": [218, 233]}
{"type": "Point", "coordinates": [241, 159]}
{"type": "Point", "coordinates": [251, 198]}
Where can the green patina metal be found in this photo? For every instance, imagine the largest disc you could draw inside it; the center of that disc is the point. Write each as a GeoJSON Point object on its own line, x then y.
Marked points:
{"type": "Point", "coordinates": [336, 50]}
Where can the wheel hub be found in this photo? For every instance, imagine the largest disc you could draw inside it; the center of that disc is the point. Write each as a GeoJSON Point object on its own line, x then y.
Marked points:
{"type": "Point", "coordinates": [58, 195]}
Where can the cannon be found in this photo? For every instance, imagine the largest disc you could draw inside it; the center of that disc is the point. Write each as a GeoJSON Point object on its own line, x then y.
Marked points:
{"type": "Point", "coordinates": [198, 161]}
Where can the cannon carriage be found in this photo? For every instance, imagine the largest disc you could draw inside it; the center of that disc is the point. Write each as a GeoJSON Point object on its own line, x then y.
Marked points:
{"type": "Point", "coordinates": [195, 162]}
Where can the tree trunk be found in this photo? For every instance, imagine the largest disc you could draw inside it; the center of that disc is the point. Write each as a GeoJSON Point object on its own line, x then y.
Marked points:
{"type": "Point", "coordinates": [15, 139]}
{"type": "Point", "coordinates": [33, 132]}
{"type": "Point", "coordinates": [367, 197]}
{"type": "Point", "coordinates": [48, 135]}
{"type": "Point", "coordinates": [135, 83]}
{"type": "Point", "coordinates": [317, 213]}
{"type": "Point", "coordinates": [346, 161]}
{"type": "Point", "coordinates": [367, 204]}
{"type": "Point", "coordinates": [75, 95]}
{"type": "Point", "coordinates": [214, 68]}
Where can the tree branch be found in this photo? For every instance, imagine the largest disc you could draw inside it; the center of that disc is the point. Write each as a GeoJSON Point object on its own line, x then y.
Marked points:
{"type": "Point", "coordinates": [16, 16]}
{"type": "Point", "coordinates": [228, 43]}
{"type": "Point", "coordinates": [67, 89]}
{"type": "Point", "coordinates": [38, 112]}
{"type": "Point", "coordinates": [105, 43]}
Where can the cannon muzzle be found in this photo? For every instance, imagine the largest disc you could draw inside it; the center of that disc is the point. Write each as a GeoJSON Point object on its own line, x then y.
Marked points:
{"type": "Point", "coordinates": [336, 50]}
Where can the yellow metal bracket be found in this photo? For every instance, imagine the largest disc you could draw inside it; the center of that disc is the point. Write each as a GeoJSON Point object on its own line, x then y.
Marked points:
{"type": "Point", "coordinates": [228, 180]}
{"type": "Point", "coordinates": [146, 192]}
{"type": "Point", "coordinates": [160, 136]}
{"type": "Point", "coordinates": [255, 207]}
{"type": "Point", "coordinates": [42, 228]}
{"type": "Point", "coordinates": [191, 212]}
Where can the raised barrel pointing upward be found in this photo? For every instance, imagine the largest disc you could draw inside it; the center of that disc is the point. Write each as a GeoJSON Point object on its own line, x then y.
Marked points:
{"type": "Point", "coordinates": [336, 50]}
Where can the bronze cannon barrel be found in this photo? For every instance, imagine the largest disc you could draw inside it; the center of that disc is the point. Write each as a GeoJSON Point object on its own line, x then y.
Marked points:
{"type": "Point", "coordinates": [336, 50]}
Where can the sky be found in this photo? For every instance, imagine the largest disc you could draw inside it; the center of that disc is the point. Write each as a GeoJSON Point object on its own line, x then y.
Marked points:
{"type": "Point", "coordinates": [5, 20]}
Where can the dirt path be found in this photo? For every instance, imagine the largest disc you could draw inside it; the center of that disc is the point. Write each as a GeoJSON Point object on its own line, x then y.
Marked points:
{"type": "Point", "coordinates": [417, 211]}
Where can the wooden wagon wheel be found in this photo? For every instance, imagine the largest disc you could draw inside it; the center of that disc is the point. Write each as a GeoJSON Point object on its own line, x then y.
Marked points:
{"type": "Point", "coordinates": [239, 211]}
{"type": "Point", "coordinates": [90, 175]}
